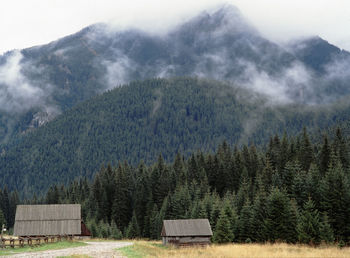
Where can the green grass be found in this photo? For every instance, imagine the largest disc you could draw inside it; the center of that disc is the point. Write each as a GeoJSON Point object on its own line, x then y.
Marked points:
{"type": "Point", "coordinates": [159, 245]}
{"type": "Point", "coordinates": [43, 247]}
{"type": "Point", "coordinates": [141, 249]}
{"type": "Point", "coordinates": [132, 251]}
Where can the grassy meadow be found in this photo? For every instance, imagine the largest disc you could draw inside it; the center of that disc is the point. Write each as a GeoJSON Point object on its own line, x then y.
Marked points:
{"type": "Point", "coordinates": [42, 247]}
{"type": "Point", "coordinates": [281, 250]}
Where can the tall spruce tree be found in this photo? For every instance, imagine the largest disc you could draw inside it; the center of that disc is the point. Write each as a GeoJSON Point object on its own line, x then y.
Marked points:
{"type": "Point", "coordinates": [326, 231]}
{"type": "Point", "coordinates": [309, 224]}
{"type": "Point", "coordinates": [121, 207]}
{"type": "Point", "coordinates": [281, 218]}
{"type": "Point", "coordinates": [223, 232]}
{"type": "Point", "coordinates": [306, 151]}
{"type": "Point", "coordinates": [133, 230]}
{"type": "Point", "coordinates": [335, 200]}
{"type": "Point", "coordinates": [244, 222]}
{"type": "Point", "coordinates": [2, 219]}
{"type": "Point", "coordinates": [258, 218]}
{"type": "Point", "coordinates": [324, 156]}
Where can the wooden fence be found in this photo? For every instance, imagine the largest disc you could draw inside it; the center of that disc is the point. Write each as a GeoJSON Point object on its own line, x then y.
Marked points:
{"type": "Point", "coordinates": [31, 241]}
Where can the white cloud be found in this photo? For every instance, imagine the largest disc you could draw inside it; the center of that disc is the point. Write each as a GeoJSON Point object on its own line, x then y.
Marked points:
{"type": "Point", "coordinates": [117, 71]}
{"type": "Point", "coordinates": [284, 20]}
{"type": "Point", "coordinates": [32, 22]}
{"type": "Point", "coordinates": [17, 93]}
{"type": "Point", "coordinates": [289, 86]}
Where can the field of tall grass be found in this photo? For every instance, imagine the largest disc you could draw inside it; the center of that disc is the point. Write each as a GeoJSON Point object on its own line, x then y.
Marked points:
{"type": "Point", "coordinates": [281, 250]}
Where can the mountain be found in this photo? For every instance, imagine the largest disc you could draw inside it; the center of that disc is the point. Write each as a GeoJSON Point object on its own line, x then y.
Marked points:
{"type": "Point", "coordinates": [38, 83]}
{"type": "Point", "coordinates": [145, 118]}
{"type": "Point", "coordinates": [317, 54]}
{"type": "Point", "coordinates": [56, 122]}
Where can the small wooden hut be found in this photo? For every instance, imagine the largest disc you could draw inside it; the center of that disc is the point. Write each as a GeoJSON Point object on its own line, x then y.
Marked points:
{"type": "Point", "coordinates": [185, 232]}
{"type": "Point", "coordinates": [49, 220]}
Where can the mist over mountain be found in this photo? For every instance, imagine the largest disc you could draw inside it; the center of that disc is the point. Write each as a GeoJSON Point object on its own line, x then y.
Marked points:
{"type": "Point", "coordinates": [38, 83]}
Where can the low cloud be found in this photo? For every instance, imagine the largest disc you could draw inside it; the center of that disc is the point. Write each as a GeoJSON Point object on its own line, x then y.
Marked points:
{"type": "Point", "coordinates": [291, 85]}
{"type": "Point", "coordinates": [338, 69]}
{"type": "Point", "coordinates": [17, 93]}
{"type": "Point", "coordinates": [117, 71]}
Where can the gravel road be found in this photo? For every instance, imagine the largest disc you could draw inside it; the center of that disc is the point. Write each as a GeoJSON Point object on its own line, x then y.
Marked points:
{"type": "Point", "coordinates": [93, 249]}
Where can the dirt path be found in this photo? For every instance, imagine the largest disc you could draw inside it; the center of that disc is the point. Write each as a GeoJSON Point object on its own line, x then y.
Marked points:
{"type": "Point", "coordinates": [93, 249]}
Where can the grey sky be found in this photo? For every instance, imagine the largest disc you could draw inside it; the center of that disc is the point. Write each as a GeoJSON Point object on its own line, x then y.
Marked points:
{"type": "Point", "coordinates": [25, 23]}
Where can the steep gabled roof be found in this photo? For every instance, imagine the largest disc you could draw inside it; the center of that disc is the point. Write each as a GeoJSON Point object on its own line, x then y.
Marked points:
{"type": "Point", "coordinates": [186, 227]}
{"type": "Point", "coordinates": [54, 219]}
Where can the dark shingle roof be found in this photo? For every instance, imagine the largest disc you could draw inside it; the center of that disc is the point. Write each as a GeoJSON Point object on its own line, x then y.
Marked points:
{"type": "Point", "coordinates": [55, 219]}
{"type": "Point", "coordinates": [186, 227]}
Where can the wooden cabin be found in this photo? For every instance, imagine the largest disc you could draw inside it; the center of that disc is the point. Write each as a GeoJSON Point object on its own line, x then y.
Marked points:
{"type": "Point", "coordinates": [186, 232]}
{"type": "Point", "coordinates": [49, 220]}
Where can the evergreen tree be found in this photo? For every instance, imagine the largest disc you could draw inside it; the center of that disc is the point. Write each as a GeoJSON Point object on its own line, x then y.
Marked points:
{"type": "Point", "coordinates": [115, 232]}
{"type": "Point", "coordinates": [102, 229]}
{"type": "Point", "coordinates": [231, 214]}
{"type": "Point", "coordinates": [335, 200]}
{"type": "Point", "coordinates": [133, 230]}
{"type": "Point", "coordinates": [309, 224]}
{"type": "Point", "coordinates": [266, 175]}
{"type": "Point", "coordinates": [305, 152]}
{"type": "Point", "coordinates": [236, 169]}
{"type": "Point", "coordinates": [223, 232]}
{"type": "Point", "coordinates": [179, 169]}
{"type": "Point", "coordinates": [291, 170]}
{"type": "Point", "coordinates": [2, 219]}
{"type": "Point", "coordinates": [324, 156]}
{"type": "Point", "coordinates": [244, 223]}
{"type": "Point", "coordinates": [341, 149]}
{"type": "Point", "coordinates": [281, 217]}
{"type": "Point", "coordinates": [121, 207]}
{"type": "Point", "coordinates": [258, 217]}
{"type": "Point", "coordinates": [180, 203]}
{"type": "Point", "coordinates": [301, 188]}
{"type": "Point", "coordinates": [215, 213]}
{"type": "Point", "coordinates": [326, 231]}
{"type": "Point", "coordinates": [91, 224]}
{"type": "Point", "coordinates": [154, 223]}
{"type": "Point", "coordinates": [284, 154]}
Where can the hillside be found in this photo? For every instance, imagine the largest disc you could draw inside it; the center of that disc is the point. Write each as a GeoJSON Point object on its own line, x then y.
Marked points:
{"type": "Point", "coordinates": [145, 118]}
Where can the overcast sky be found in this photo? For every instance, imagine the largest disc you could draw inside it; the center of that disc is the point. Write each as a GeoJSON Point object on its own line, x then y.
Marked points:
{"type": "Point", "coordinates": [25, 23]}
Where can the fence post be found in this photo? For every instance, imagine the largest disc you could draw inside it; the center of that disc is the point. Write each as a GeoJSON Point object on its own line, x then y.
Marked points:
{"type": "Point", "coordinates": [21, 242]}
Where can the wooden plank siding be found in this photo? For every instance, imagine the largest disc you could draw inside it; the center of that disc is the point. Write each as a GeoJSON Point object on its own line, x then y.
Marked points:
{"type": "Point", "coordinates": [186, 232]}
{"type": "Point", "coordinates": [48, 220]}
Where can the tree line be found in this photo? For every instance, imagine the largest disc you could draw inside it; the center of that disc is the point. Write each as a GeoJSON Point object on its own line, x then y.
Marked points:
{"type": "Point", "coordinates": [292, 191]}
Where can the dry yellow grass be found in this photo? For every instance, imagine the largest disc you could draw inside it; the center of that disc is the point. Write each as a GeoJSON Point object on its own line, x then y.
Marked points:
{"type": "Point", "coordinates": [155, 249]}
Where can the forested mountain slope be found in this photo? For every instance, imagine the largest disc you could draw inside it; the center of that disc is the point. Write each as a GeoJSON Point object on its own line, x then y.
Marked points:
{"type": "Point", "coordinates": [145, 118]}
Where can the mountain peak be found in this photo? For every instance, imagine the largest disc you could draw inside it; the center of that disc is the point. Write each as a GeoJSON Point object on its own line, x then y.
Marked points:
{"type": "Point", "coordinates": [316, 52]}
{"type": "Point", "coordinates": [226, 19]}
{"type": "Point", "coordinates": [231, 17]}
{"type": "Point", "coordinates": [227, 9]}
